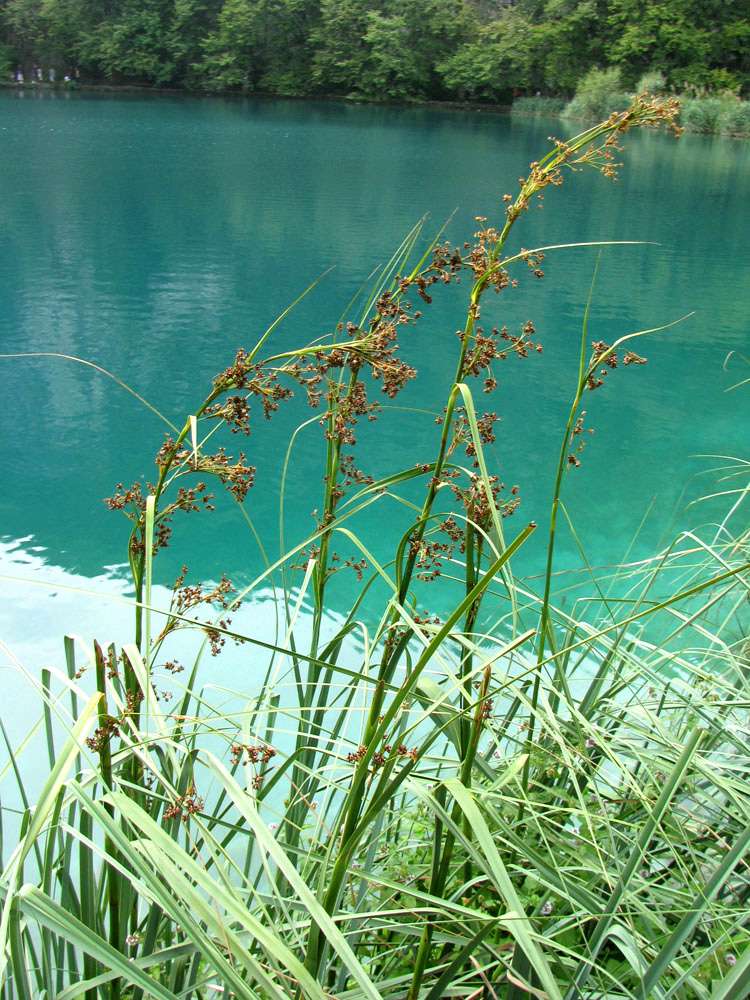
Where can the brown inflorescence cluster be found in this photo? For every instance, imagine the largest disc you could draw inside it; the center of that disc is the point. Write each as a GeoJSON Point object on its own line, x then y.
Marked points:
{"type": "Point", "coordinates": [333, 373]}
{"type": "Point", "coordinates": [185, 805]}
{"type": "Point", "coordinates": [253, 754]}
{"type": "Point", "coordinates": [381, 757]}
{"type": "Point", "coordinates": [185, 598]}
{"type": "Point", "coordinates": [110, 724]}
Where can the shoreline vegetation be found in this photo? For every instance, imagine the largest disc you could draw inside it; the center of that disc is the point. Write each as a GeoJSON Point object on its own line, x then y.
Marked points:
{"type": "Point", "coordinates": [540, 790]}
{"type": "Point", "coordinates": [722, 114]}
{"type": "Point", "coordinates": [600, 92]}
{"type": "Point", "coordinates": [538, 56]}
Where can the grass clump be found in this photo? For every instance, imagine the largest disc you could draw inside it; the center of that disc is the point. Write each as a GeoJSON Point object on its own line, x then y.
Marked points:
{"type": "Point", "coordinates": [539, 107]}
{"type": "Point", "coordinates": [530, 793]}
{"type": "Point", "coordinates": [716, 114]}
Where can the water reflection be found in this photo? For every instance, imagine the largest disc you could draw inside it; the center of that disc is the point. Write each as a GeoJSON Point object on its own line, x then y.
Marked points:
{"type": "Point", "coordinates": [56, 602]}
{"type": "Point", "coordinates": [155, 236]}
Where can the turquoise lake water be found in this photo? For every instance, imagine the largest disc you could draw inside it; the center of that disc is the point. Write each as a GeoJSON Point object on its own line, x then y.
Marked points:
{"type": "Point", "coordinates": [153, 236]}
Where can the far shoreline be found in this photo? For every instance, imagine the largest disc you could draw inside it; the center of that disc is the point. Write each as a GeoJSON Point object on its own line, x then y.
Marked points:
{"type": "Point", "coordinates": [528, 110]}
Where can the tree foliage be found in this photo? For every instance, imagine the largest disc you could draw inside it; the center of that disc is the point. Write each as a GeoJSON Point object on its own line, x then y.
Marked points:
{"type": "Point", "coordinates": [484, 50]}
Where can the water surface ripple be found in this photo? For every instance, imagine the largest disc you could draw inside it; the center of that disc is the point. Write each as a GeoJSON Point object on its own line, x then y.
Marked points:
{"type": "Point", "coordinates": [152, 236]}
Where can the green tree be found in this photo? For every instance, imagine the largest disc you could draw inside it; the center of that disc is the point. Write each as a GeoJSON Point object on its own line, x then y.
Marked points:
{"type": "Point", "coordinates": [261, 44]}
{"type": "Point", "coordinates": [436, 29]}
{"type": "Point", "coordinates": [191, 23]}
{"type": "Point", "coordinates": [386, 50]}
{"type": "Point", "coordinates": [689, 42]}
{"type": "Point", "coordinates": [69, 23]}
{"type": "Point", "coordinates": [339, 47]}
{"type": "Point", "coordinates": [229, 60]}
{"type": "Point", "coordinates": [284, 47]}
{"type": "Point", "coordinates": [501, 57]}
{"type": "Point", "coordinates": [390, 69]}
{"type": "Point", "coordinates": [133, 44]}
{"type": "Point", "coordinates": [406, 42]}
{"type": "Point", "coordinates": [24, 29]}
{"type": "Point", "coordinates": [570, 34]}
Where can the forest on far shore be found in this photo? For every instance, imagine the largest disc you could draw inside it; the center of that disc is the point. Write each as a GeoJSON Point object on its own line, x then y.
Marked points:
{"type": "Point", "coordinates": [451, 50]}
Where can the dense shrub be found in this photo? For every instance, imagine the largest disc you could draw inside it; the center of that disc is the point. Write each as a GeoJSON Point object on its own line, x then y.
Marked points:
{"type": "Point", "coordinates": [652, 82]}
{"type": "Point", "coordinates": [598, 93]}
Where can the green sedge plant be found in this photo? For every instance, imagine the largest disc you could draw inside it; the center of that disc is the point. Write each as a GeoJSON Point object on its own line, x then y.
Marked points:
{"type": "Point", "coordinates": [539, 800]}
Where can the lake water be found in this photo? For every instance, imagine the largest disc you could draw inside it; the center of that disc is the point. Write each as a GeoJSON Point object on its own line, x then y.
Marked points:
{"type": "Point", "coordinates": [153, 236]}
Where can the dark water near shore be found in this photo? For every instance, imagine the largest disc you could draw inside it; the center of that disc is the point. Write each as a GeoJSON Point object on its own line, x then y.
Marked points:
{"type": "Point", "coordinates": [153, 236]}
